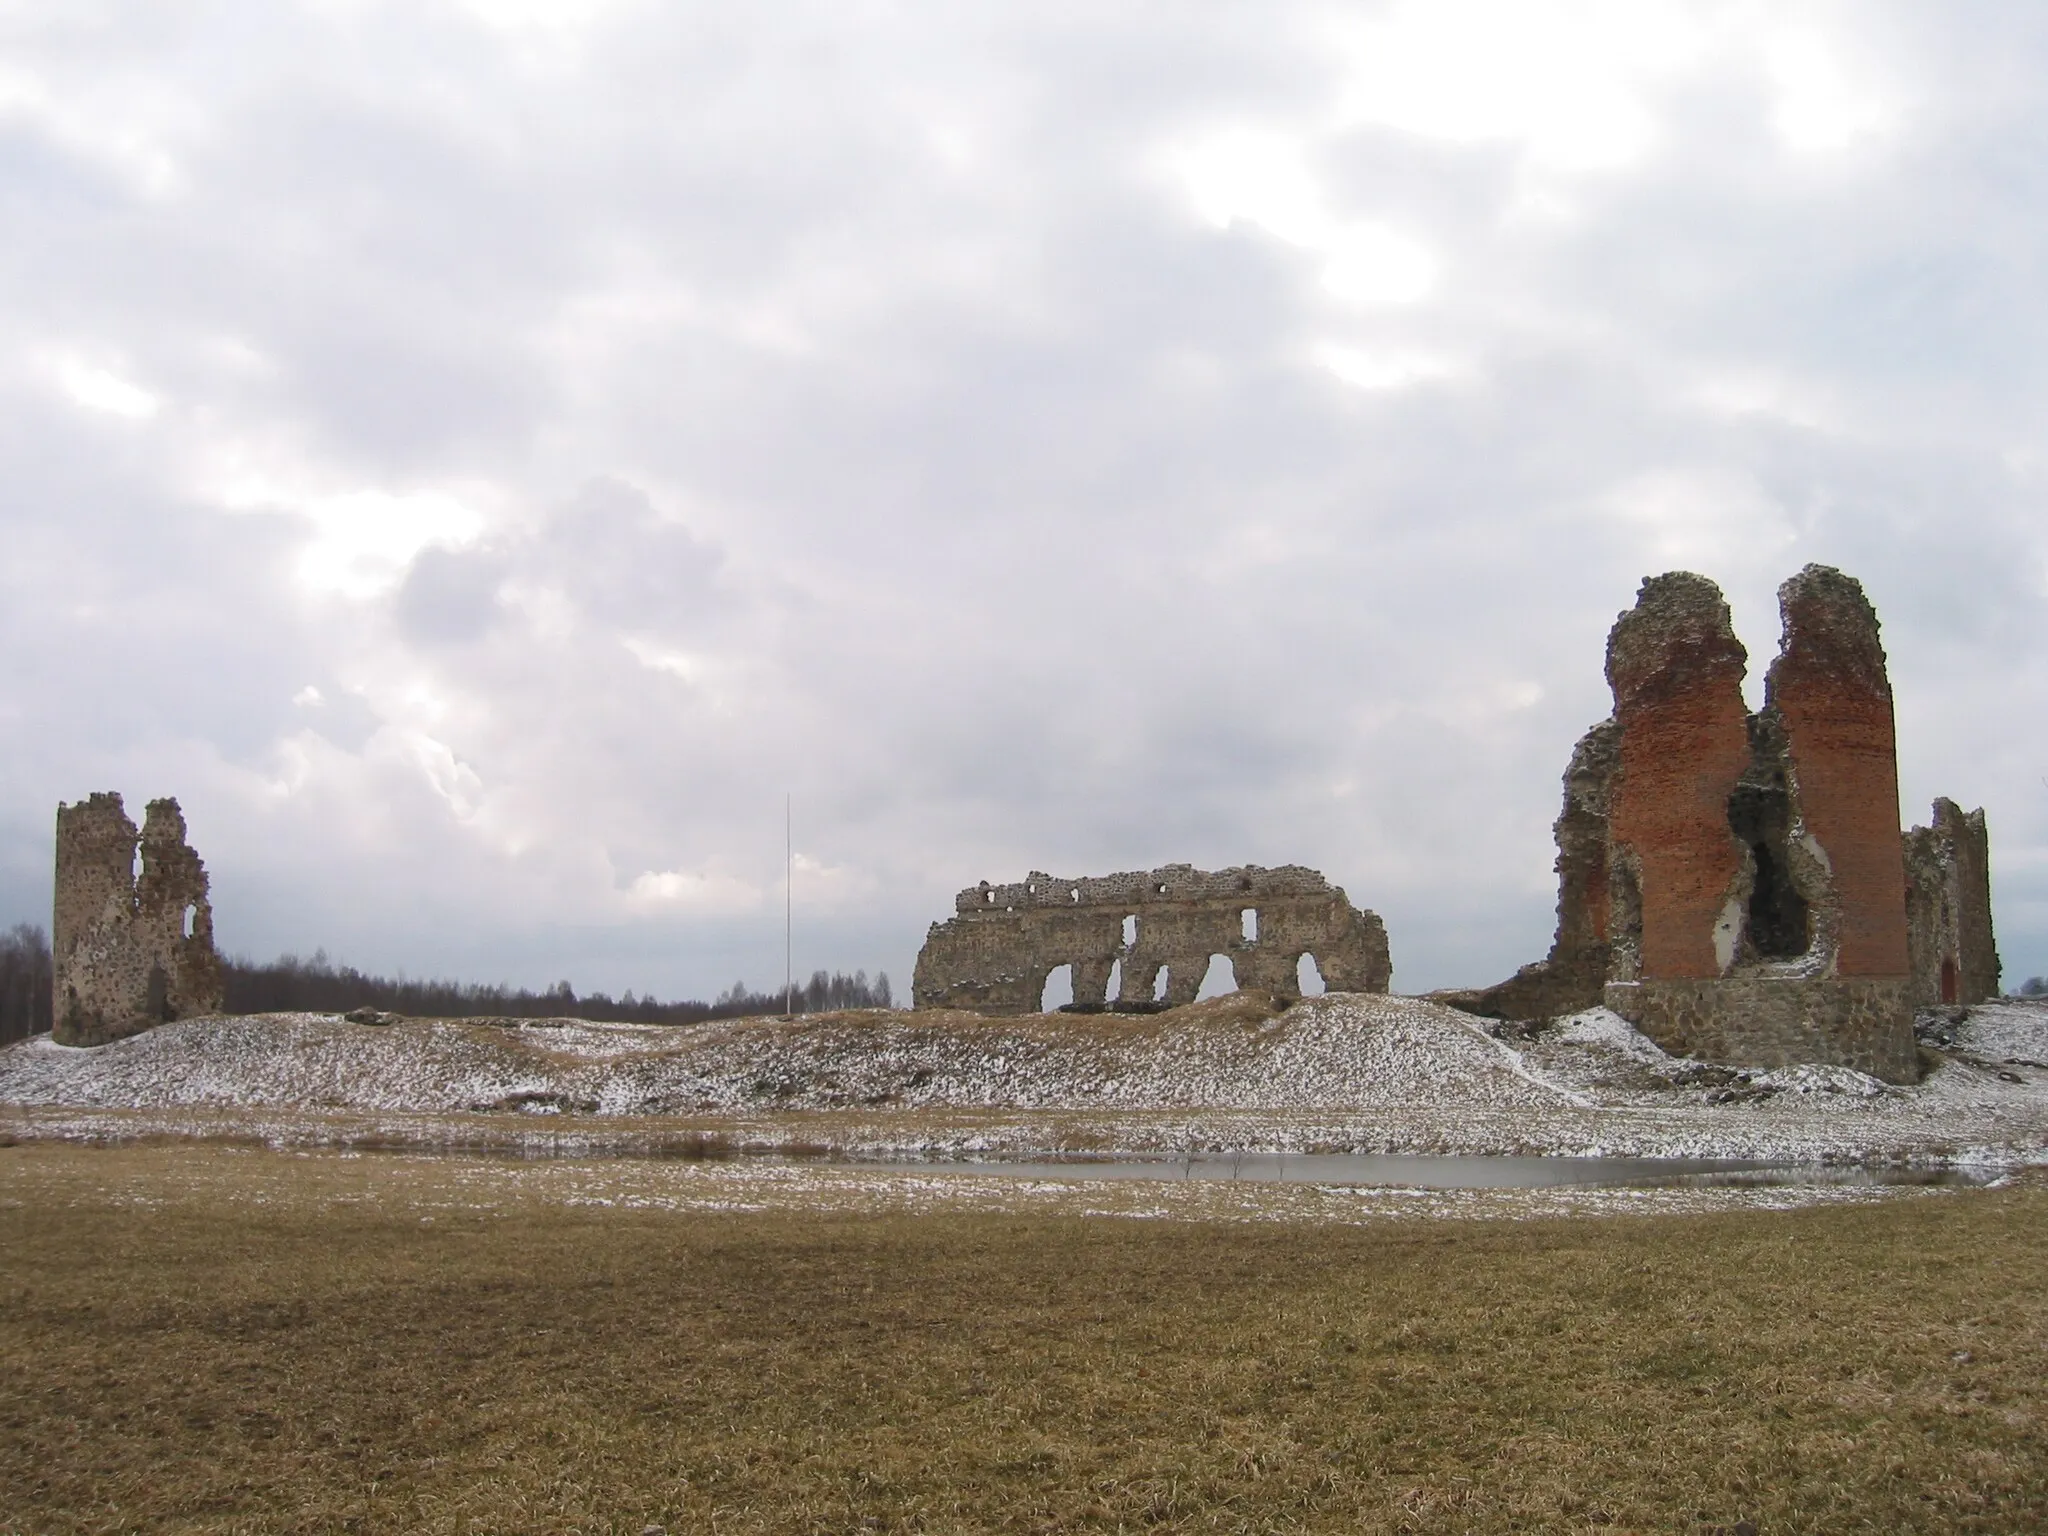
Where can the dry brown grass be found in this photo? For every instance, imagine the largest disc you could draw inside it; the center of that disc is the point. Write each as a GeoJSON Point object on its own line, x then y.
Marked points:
{"type": "Point", "coordinates": [186, 1355]}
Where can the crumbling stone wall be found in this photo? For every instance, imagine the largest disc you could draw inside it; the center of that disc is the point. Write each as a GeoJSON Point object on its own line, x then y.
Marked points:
{"type": "Point", "coordinates": [1948, 908]}
{"type": "Point", "coordinates": [129, 953]}
{"type": "Point", "coordinates": [996, 953]}
{"type": "Point", "coordinates": [1755, 888]}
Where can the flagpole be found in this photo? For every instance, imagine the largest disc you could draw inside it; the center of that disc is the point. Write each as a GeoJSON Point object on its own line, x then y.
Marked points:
{"type": "Point", "coordinates": [788, 909]}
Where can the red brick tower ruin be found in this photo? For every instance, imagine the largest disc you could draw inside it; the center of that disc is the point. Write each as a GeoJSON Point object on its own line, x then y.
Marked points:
{"type": "Point", "coordinates": [1736, 884]}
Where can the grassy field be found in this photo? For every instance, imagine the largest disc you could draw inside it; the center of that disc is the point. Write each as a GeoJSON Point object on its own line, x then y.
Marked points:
{"type": "Point", "coordinates": [204, 1340]}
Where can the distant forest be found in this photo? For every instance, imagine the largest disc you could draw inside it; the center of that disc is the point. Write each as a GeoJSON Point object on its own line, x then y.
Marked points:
{"type": "Point", "coordinates": [24, 982]}
{"type": "Point", "coordinates": [290, 985]}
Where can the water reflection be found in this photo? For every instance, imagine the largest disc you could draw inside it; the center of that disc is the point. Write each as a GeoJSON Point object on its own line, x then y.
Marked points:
{"type": "Point", "coordinates": [1462, 1172]}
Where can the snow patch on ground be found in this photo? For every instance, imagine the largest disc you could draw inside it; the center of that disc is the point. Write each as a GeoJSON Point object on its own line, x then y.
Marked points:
{"type": "Point", "coordinates": [1818, 1078]}
{"type": "Point", "coordinates": [1335, 1050]}
{"type": "Point", "coordinates": [1605, 1028]}
{"type": "Point", "coordinates": [1344, 1072]}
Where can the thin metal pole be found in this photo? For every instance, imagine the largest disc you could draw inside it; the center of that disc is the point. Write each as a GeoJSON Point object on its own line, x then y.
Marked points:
{"type": "Point", "coordinates": [788, 910]}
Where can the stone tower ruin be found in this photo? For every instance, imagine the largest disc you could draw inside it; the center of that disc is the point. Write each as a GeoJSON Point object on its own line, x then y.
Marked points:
{"type": "Point", "coordinates": [1736, 884]}
{"type": "Point", "coordinates": [1948, 908]}
{"type": "Point", "coordinates": [129, 952]}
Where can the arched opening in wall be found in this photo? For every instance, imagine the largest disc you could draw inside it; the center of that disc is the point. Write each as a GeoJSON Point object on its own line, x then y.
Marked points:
{"type": "Point", "coordinates": [1220, 980]}
{"type": "Point", "coordinates": [1951, 990]}
{"type": "Point", "coordinates": [191, 919]}
{"type": "Point", "coordinates": [1130, 930]}
{"type": "Point", "coordinates": [1159, 985]}
{"type": "Point", "coordinates": [1308, 976]}
{"type": "Point", "coordinates": [1248, 924]}
{"type": "Point", "coordinates": [1058, 990]}
{"type": "Point", "coordinates": [1115, 988]}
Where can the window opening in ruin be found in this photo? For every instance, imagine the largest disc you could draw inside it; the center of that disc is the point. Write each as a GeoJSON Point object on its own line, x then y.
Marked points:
{"type": "Point", "coordinates": [1220, 980]}
{"type": "Point", "coordinates": [1950, 992]}
{"type": "Point", "coordinates": [191, 919]}
{"type": "Point", "coordinates": [1160, 888]}
{"type": "Point", "coordinates": [1076, 894]}
{"type": "Point", "coordinates": [1308, 977]}
{"type": "Point", "coordinates": [989, 897]}
{"type": "Point", "coordinates": [1159, 985]}
{"type": "Point", "coordinates": [1248, 924]}
{"type": "Point", "coordinates": [1115, 987]}
{"type": "Point", "coordinates": [1058, 990]}
{"type": "Point", "coordinates": [1130, 931]}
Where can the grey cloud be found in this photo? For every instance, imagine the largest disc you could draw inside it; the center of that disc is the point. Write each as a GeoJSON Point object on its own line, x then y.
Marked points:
{"type": "Point", "coordinates": [449, 594]}
{"type": "Point", "coordinates": [863, 411]}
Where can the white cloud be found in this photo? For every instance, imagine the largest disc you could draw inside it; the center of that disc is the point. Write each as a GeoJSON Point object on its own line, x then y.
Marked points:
{"type": "Point", "coordinates": [1823, 103]}
{"type": "Point", "coordinates": [1384, 370]}
{"type": "Point", "coordinates": [694, 891]}
{"type": "Point", "coordinates": [101, 389]}
{"type": "Point", "coordinates": [1577, 81]}
{"type": "Point", "coordinates": [1260, 178]}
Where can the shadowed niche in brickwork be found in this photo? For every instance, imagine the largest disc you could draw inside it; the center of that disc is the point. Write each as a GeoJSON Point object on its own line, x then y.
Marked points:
{"type": "Point", "coordinates": [131, 949]}
{"type": "Point", "coordinates": [1148, 938]}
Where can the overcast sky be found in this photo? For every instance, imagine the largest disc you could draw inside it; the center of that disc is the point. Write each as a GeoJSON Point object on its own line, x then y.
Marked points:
{"type": "Point", "coordinates": [479, 456]}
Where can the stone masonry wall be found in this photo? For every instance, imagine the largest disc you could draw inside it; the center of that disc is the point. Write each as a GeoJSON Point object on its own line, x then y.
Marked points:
{"type": "Point", "coordinates": [129, 954]}
{"type": "Point", "coordinates": [1777, 1021]}
{"type": "Point", "coordinates": [1948, 908]}
{"type": "Point", "coordinates": [995, 954]}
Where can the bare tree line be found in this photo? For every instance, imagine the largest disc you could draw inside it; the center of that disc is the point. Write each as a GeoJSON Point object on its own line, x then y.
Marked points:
{"type": "Point", "coordinates": [24, 982]}
{"type": "Point", "coordinates": [293, 985]}
{"type": "Point", "coordinates": [290, 984]}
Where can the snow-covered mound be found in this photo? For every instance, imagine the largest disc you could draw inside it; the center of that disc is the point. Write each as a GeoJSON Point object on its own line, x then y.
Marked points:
{"type": "Point", "coordinates": [1341, 1051]}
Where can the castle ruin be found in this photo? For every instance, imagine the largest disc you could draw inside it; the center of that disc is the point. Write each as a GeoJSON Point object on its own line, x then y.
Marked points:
{"type": "Point", "coordinates": [1736, 884]}
{"type": "Point", "coordinates": [129, 952]}
{"type": "Point", "coordinates": [1119, 933]}
{"type": "Point", "coordinates": [1948, 909]}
